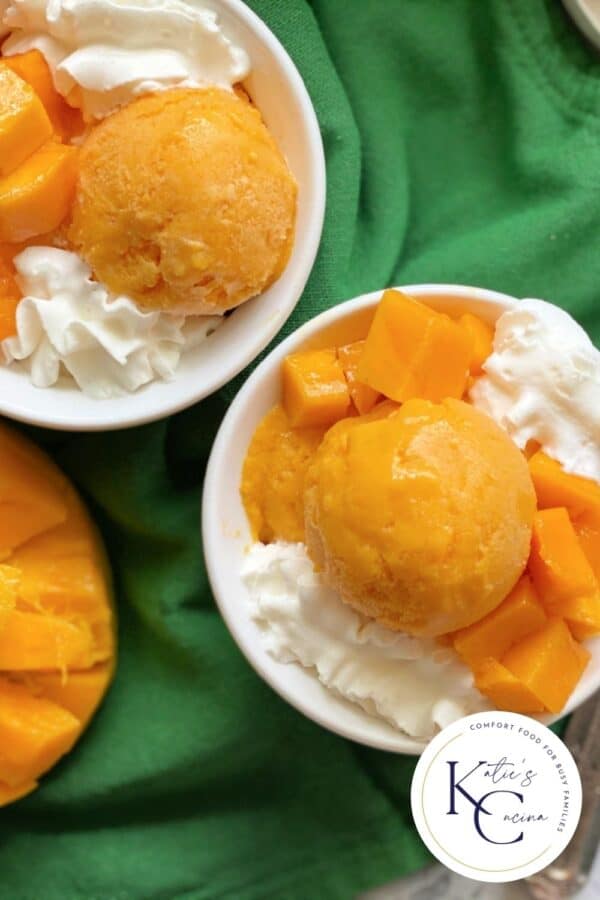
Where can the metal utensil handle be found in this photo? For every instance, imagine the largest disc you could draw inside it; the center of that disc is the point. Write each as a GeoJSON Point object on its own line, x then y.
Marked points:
{"type": "Point", "coordinates": [569, 872]}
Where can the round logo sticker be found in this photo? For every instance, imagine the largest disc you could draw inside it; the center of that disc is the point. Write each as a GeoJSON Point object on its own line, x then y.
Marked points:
{"type": "Point", "coordinates": [496, 796]}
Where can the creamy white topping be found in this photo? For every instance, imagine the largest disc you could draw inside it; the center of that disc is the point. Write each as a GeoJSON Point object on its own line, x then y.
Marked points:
{"type": "Point", "coordinates": [115, 50]}
{"type": "Point", "coordinates": [542, 383]}
{"type": "Point", "coordinates": [414, 684]}
{"type": "Point", "coordinates": [106, 343]}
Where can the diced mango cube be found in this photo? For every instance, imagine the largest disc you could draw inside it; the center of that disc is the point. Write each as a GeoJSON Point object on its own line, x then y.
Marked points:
{"type": "Point", "coordinates": [561, 573]}
{"type": "Point", "coordinates": [37, 196]}
{"type": "Point", "coordinates": [363, 397]}
{"type": "Point", "coordinates": [554, 487]}
{"type": "Point", "coordinates": [413, 351]}
{"type": "Point", "coordinates": [549, 662]}
{"type": "Point", "coordinates": [315, 391]}
{"type": "Point", "coordinates": [33, 68]}
{"type": "Point", "coordinates": [505, 690]}
{"type": "Point", "coordinates": [482, 341]}
{"type": "Point", "coordinates": [589, 538]}
{"type": "Point", "coordinates": [518, 615]}
{"type": "Point", "coordinates": [79, 693]}
{"type": "Point", "coordinates": [33, 641]}
{"type": "Point", "coordinates": [34, 734]}
{"type": "Point", "coordinates": [24, 123]}
{"type": "Point", "coordinates": [10, 295]}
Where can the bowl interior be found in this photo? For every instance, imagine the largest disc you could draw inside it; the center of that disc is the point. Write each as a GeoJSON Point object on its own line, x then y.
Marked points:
{"type": "Point", "coordinates": [280, 94]}
{"type": "Point", "coordinates": [226, 533]}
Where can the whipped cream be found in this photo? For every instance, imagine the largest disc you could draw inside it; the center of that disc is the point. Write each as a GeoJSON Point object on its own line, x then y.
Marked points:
{"type": "Point", "coordinates": [106, 343]}
{"type": "Point", "coordinates": [115, 50]}
{"type": "Point", "coordinates": [542, 383]}
{"type": "Point", "coordinates": [414, 684]}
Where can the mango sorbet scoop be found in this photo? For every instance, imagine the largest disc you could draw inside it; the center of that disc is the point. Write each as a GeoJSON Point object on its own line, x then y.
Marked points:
{"type": "Point", "coordinates": [184, 202]}
{"type": "Point", "coordinates": [421, 520]}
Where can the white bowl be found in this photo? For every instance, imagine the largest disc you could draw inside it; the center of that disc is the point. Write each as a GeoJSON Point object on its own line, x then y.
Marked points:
{"type": "Point", "coordinates": [226, 534]}
{"type": "Point", "coordinates": [279, 92]}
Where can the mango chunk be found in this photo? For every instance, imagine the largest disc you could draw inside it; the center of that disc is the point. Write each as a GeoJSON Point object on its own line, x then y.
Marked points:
{"type": "Point", "coordinates": [10, 295]}
{"type": "Point", "coordinates": [561, 573]}
{"type": "Point", "coordinates": [413, 351]}
{"type": "Point", "coordinates": [363, 397]}
{"type": "Point", "coordinates": [589, 538]}
{"type": "Point", "coordinates": [315, 391]}
{"type": "Point", "coordinates": [34, 734]}
{"type": "Point", "coordinates": [24, 123]}
{"type": "Point", "coordinates": [505, 690]}
{"type": "Point", "coordinates": [30, 641]}
{"type": "Point", "coordinates": [518, 615]}
{"type": "Point", "coordinates": [11, 794]}
{"type": "Point", "coordinates": [554, 487]}
{"type": "Point", "coordinates": [549, 662]}
{"type": "Point", "coordinates": [481, 336]}
{"type": "Point", "coordinates": [79, 693]}
{"type": "Point", "coordinates": [33, 68]}
{"type": "Point", "coordinates": [36, 197]}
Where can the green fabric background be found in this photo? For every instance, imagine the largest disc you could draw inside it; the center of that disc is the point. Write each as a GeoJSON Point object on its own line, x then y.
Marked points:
{"type": "Point", "coordinates": [462, 141]}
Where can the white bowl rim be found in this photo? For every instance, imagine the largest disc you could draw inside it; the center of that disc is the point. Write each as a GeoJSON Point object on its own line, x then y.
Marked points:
{"type": "Point", "coordinates": [186, 393]}
{"type": "Point", "coordinates": [211, 533]}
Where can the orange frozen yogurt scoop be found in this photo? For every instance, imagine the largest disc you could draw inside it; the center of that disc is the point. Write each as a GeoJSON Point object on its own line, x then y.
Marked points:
{"type": "Point", "coordinates": [421, 520]}
{"type": "Point", "coordinates": [184, 202]}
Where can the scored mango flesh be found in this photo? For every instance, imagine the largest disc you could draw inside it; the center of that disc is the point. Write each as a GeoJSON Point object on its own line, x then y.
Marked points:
{"type": "Point", "coordinates": [57, 627]}
{"type": "Point", "coordinates": [366, 504]}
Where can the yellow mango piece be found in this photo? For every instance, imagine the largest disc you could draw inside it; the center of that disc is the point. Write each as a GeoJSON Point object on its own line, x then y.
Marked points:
{"type": "Point", "coordinates": [9, 585]}
{"type": "Point", "coordinates": [273, 477]}
{"type": "Point", "coordinates": [57, 635]}
{"type": "Point", "coordinates": [315, 392]}
{"type": "Point", "coordinates": [363, 397]}
{"type": "Point", "coordinates": [505, 690]}
{"type": "Point", "coordinates": [31, 641]}
{"type": "Point", "coordinates": [33, 68]}
{"type": "Point", "coordinates": [549, 662]}
{"type": "Point", "coordinates": [24, 123]}
{"type": "Point", "coordinates": [554, 487]}
{"type": "Point", "coordinates": [517, 616]}
{"type": "Point", "coordinates": [589, 538]}
{"type": "Point", "coordinates": [36, 197]}
{"type": "Point", "coordinates": [64, 572]}
{"type": "Point", "coordinates": [481, 336]}
{"type": "Point", "coordinates": [62, 578]}
{"type": "Point", "coordinates": [413, 351]}
{"type": "Point", "coordinates": [11, 794]}
{"type": "Point", "coordinates": [34, 734]}
{"type": "Point", "coordinates": [10, 294]}
{"type": "Point", "coordinates": [31, 492]}
{"type": "Point", "coordinates": [561, 573]}
{"type": "Point", "coordinates": [79, 693]}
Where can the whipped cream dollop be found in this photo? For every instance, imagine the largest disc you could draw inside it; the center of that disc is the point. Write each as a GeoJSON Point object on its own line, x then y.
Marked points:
{"type": "Point", "coordinates": [115, 50]}
{"type": "Point", "coordinates": [106, 343]}
{"type": "Point", "coordinates": [414, 684]}
{"type": "Point", "coordinates": [542, 383]}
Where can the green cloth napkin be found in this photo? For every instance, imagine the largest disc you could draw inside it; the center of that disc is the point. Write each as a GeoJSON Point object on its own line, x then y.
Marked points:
{"type": "Point", "coordinates": [463, 145]}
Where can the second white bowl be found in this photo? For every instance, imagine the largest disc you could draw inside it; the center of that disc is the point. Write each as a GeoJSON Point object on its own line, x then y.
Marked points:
{"type": "Point", "coordinates": [226, 533]}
